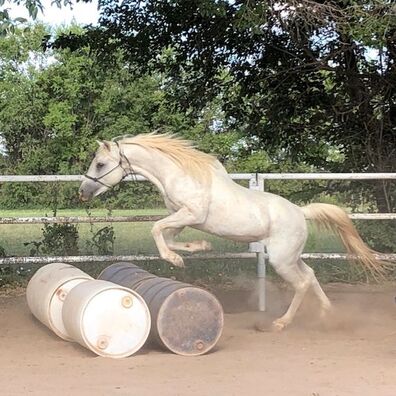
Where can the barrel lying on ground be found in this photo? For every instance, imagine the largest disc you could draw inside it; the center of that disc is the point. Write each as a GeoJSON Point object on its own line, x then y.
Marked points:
{"type": "Point", "coordinates": [47, 291]}
{"type": "Point", "coordinates": [108, 319]}
{"type": "Point", "coordinates": [185, 319]}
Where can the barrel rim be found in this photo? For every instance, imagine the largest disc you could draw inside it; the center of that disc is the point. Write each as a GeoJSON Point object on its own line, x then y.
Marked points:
{"type": "Point", "coordinates": [48, 308]}
{"type": "Point", "coordinates": [160, 315]}
{"type": "Point", "coordinates": [40, 308]}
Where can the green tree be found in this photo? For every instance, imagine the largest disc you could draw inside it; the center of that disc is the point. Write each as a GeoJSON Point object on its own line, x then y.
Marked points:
{"type": "Point", "coordinates": [55, 104]}
{"type": "Point", "coordinates": [295, 74]}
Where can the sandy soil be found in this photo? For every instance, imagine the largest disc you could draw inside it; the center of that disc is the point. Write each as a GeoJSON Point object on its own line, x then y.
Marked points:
{"type": "Point", "coordinates": [353, 353]}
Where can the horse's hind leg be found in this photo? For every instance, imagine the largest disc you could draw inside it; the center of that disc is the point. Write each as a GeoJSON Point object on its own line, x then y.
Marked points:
{"type": "Point", "coordinates": [317, 289]}
{"type": "Point", "coordinates": [301, 284]}
{"type": "Point", "coordinates": [286, 263]}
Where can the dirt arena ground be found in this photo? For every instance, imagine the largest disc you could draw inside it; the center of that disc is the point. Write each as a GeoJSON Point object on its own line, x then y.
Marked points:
{"type": "Point", "coordinates": [353, 353]}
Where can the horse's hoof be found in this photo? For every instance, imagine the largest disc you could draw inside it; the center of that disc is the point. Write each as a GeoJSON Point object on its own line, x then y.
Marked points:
{"type": "Point", "coordinates": [177, 261]}
{"type": "Point", "coordinates": [278, 326]}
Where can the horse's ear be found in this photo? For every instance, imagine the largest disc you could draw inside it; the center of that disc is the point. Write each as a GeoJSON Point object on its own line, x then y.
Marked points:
{"type": "Point", "coordinates": [107, 145]}
{"type": "Point", "coordinates": [104, 144]}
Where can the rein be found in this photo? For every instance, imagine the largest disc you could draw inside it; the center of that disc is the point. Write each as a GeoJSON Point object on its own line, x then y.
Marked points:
{"type": "Point", "coordinates": [119, 165]}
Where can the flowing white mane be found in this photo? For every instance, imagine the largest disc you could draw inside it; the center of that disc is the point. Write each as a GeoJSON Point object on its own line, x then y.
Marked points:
{"type": "Point", "coordinates": [181, 151]}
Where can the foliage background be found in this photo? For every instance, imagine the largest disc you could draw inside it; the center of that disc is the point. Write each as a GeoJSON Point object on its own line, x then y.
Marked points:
{"type": "Point", "coordinates": [283, 86]}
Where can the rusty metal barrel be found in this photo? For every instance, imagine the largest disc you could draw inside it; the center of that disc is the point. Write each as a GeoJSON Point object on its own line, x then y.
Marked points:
{"type": "Point", "coordinates": [109, 319]}
{"type": "Point", "coordinates": [47, 291]}
{"type": "Point", "coordinates": [185, 319]}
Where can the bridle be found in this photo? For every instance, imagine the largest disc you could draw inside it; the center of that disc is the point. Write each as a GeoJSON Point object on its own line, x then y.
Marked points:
{"type": "Point", "coordinates": [126, 172]}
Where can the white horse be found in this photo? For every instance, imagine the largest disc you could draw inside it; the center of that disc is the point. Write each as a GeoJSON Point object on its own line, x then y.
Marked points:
{"type": "Point", "coordinates": [200, 194]}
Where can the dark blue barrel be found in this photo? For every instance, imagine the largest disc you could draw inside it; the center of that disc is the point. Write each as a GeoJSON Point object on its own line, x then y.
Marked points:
{"type": "Point", "coordinates": [185, 319]}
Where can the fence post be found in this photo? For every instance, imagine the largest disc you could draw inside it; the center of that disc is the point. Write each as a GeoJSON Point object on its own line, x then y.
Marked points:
{"type": "Point", "coordinates": [257, 183]}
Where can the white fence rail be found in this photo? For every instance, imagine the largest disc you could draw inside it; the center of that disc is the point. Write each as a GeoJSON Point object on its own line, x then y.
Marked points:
{"type": "Point", "coordinates": [235, 176]}
{"type": "Point", "coordinates": [131, 219]}
{"type": "Point", "coordinates": [256, 182]}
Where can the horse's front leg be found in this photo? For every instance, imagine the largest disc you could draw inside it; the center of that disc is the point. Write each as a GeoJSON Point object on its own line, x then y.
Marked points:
{"type": "Point", "coordinates": [180, 219]}
{"type": "Point", "coordinates": [192, 247]}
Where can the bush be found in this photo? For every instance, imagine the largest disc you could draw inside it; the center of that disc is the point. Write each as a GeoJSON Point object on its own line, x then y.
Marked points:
{"type": "Point", "coordinates": [380, 235]}
{"type": "Point", "coordinates": [129, 195]}
{"type": "Point", "coordinates": [58, 239]}
{"type": "Point", "coordinates": [102, 241]}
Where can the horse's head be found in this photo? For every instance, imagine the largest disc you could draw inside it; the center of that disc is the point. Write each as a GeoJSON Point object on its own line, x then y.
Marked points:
{"type": "Point", "coordinates": [104, 172]}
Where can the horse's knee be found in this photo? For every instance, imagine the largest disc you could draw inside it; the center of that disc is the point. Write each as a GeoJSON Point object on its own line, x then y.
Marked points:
{"type": "Point", "coordinates": [156, 230]}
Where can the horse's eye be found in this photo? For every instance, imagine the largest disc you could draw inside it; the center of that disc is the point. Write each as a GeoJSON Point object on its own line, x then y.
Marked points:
{"type": "Point", "coordinates": [100, 165]}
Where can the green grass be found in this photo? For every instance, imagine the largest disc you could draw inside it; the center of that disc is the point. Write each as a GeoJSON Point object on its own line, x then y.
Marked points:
{"type": "Point", "coordinates": [135, 238]}
{"type": "Point", "coordinates": [131, 238]}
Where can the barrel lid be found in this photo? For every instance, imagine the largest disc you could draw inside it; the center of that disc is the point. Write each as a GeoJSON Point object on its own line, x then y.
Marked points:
{"type": "Point", "coordinates": [115, 322]}
{"type": "Point", "coordinates": [190, 321]}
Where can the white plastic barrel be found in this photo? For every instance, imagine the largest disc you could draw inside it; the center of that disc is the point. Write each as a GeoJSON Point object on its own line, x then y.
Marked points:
{"type": "Point", "coordinates": [106, 318]}
{"type": "Point", "coordinates": [46, 293]}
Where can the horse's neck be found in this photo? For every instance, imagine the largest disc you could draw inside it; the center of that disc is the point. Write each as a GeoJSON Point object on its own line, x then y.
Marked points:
{"type": "Point", "coordinates": [159, 168]}
{"type": "Point", "coordinates": [153, 165]}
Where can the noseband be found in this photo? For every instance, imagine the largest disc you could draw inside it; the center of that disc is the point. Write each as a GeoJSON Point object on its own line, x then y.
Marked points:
{"type": "Point", "coordinates": [119, 165]}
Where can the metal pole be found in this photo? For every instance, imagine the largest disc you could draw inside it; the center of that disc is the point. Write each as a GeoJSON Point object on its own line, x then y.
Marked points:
{"type": "Point", "coordinates": [261, 277]}
{"type": "Point", "coordinates": [257, 183]}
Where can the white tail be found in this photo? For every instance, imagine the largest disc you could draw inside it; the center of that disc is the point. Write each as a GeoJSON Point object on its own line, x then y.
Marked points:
{"type": "Point", "coordinates": [336, 219]}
